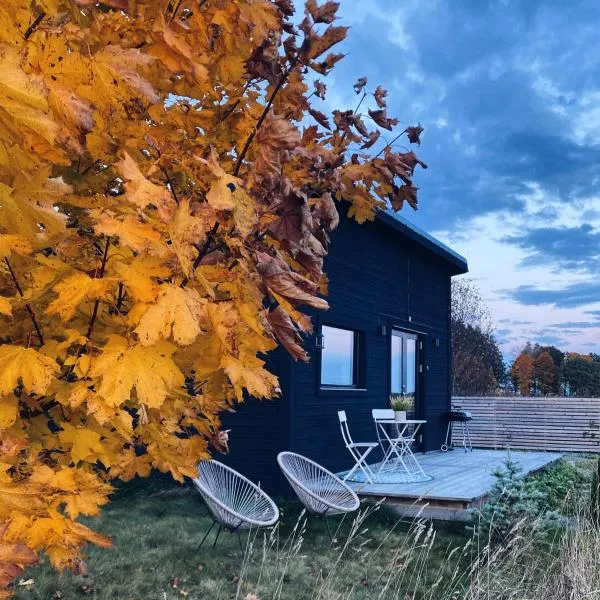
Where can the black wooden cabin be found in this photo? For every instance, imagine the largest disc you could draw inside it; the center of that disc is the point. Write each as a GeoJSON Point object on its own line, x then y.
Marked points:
{"type": "Point", "coordinates": [387, 330]}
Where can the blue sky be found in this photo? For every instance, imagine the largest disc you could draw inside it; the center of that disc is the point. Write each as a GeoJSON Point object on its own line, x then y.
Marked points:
{"type": "Point", "coordinates": [509, 94]}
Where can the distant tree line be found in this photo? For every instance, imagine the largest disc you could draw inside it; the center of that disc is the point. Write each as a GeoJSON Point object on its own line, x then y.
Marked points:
{"type": "Point", "coordinates": [478, 367]}
{"type": "Point", "coordinates": [477, 364]}
{"type": "Point", "coordinates": [546, 370]}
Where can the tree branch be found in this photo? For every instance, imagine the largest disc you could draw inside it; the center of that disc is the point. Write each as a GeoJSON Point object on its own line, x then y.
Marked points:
{"type": "Point", "coordinates": [97, 302]}
{"type": "Point", "coordinates": [174, 13]}
{"type": "Point", "coordinates": [230, 110]}
{"type": "Point", "coordinates": [27, 306]}
{"type": "Point", "coordinates": [390, 144]}
{"type": "Point", "coordinates": [238, 165]}
{"type": "Point", "coordinates": [33, 26]}
{"type": "Point", "coordinates": [85, 171]}
{"type": "Point", "coordinates": [202, 253]}
{"type": "Point", "coordinates": [263, 116]}
{"type": "Point", "coordinates": [345, 135]}
{"type": "Point", "coordinates": [121, 296]}
{"type": "Point", "coordinates": [171, 186]}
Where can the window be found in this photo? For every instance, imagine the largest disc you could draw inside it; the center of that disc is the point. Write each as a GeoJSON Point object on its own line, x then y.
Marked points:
{"type": "Point", "coordinates": [404, 362]}
{"type": "Point", "coordinates": [339, 357]}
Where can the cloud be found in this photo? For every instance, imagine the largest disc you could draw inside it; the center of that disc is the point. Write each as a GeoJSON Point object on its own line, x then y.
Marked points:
{"type": "Point", "coordinates": [573, 248]}
{"type": "Point", "coordinates": [573, 295]}
{"type": "Point", "coordinates": [509, 100]}
{"type": "Point", "coordinates": [549, 340]}
{"type": "Point", "coordinates": [515, 322]}
{"type": "Point", "coordinates": [575, 325]}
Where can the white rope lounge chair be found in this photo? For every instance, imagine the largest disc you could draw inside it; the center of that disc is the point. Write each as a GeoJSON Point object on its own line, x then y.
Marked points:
{"type": "Point", "coordinates": [233, 501]}
{"type": "Point", "coordinates": [319, 490]}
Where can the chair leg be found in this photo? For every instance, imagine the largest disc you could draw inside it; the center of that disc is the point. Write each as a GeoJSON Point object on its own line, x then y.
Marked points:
{"type": "Point", "coordinates": [217, 536]}
{"type": "Point", "coordinates": [328, 530]}
{"type": "Point", "coordinates": [386, 456]}
{"type": "Point", "coordinates": [362, 465]}
{"type": "Point", "coordinates": [322, 516]}
{"type": "Point", "coordinates": [237, 531]}
{"type": "Point", "coordinates": [469, 437]}
{"type": "Point", "coordinates": [353, 469]}
{"type": "Point", "coordinates": [206, 535]}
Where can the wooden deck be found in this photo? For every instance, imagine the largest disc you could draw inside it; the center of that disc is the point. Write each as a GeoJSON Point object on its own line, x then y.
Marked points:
{"type": "Point", "coordinates": [460, 481]}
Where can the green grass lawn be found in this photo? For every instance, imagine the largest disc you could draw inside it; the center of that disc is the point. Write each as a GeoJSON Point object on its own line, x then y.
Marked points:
{"type": "Point", "coordinates": [157, 526]}
{"type": "Point", "coordinates": [156, 531]}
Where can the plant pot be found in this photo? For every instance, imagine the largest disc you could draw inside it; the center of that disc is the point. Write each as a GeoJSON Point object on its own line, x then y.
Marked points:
{"type": "Point", "coordinates": [400, 415]}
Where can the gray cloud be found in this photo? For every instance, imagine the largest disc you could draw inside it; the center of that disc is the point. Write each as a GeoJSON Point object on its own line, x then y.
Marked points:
{"type": "Point", "coordinates": [514, 322]}
{"type": "Point", "coordinates": [508, 95]}
{"type": "Point", "coordinates": [571, 296]}
{"type": "Point", "coordinates": [572, 248]}
{"type": "Point", "coordinates": [575, 325]}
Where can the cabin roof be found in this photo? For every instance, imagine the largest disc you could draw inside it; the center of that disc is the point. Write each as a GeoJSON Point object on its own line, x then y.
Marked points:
{"type": "Point", "coordinates": [457, 262]}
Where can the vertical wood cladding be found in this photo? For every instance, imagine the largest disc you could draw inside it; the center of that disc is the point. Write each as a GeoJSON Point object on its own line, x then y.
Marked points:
{"type": "Point", "coordinates": [379, 278]}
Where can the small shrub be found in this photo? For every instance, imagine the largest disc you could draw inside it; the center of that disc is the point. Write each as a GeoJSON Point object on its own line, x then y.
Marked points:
{"type": "Point", "coordinates": [511, 503]}
{"type": "Point", "coordinates": [595, 496]}
{"type": "Point", "coordinates": [563, 488]}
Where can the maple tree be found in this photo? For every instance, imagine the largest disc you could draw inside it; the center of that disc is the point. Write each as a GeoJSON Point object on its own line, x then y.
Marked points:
{"type": "Point", "coordinates": [522, 372]}
{"type": "Point", "coordinates": [545, 373]}
{"type": "Point", "coordinates": [167, 189]}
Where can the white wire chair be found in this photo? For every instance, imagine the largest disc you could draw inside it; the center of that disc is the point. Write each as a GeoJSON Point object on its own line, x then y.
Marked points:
{"type": "Point", "coordinates": [233, 500]}
{"type": "Point", "coordinates": [319, 490]}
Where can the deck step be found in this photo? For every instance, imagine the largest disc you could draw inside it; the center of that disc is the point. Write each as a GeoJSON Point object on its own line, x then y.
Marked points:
{"type": "Point", "coordinates": [460, 481]}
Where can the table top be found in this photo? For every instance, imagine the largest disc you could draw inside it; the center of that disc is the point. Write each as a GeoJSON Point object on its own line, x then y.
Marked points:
{"type": "Point", "coordinates": [406, 422]}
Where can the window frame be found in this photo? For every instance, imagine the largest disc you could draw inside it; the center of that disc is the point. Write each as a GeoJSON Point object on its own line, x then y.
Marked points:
{"type": "Point", "coordinates": [358, 365]}
{"type": "Point", "coordinates": [404, 335]}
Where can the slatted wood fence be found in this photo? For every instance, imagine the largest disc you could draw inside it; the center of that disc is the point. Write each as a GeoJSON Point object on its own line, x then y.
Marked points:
{"type": "Point", "coordinates": [558, 424]}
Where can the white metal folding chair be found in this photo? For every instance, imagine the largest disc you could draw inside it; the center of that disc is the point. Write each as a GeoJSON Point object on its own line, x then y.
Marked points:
{"type": "Point", "coordinates": [358, 450]}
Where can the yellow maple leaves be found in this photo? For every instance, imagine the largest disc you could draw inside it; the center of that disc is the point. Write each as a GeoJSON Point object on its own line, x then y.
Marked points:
{"type": "Point", "coordinates": [83, 443]}
{"type": "Point", "coordinates": [5, 306]}
{"type": "Point", "coordinates": [74, 290]}
{"type": "Point", "coordinates": [9, 406]}
{"type": "Point", "coordinates": [82, 493]}
{"type": "Point", "coordinates": [162, 221]}
{"type": "Point", "coordinates": [26, 367]}
{"type": "Point", "coordinates": [140, 277]}
{"type": "Point", "coordinates": [123, 368]}
{"type": "Point", "coordinates": [10, 243]}
{"type": "Point", "coordinates": [249, 374]}
{"type": "Point", "coordinates": [142, 192]}
{"type": "Point", "coordinates": [178, 313]}
{"type": "Point", "coordinates": [32, 222]}
{"type": "Point", "coordinates": [227, 193]}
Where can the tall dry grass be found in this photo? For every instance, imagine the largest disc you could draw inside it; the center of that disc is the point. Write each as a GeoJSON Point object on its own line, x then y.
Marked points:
{"type": "Point", "coordinates": [559, 563]}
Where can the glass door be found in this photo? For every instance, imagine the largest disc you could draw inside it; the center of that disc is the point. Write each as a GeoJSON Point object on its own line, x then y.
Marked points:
{"type": "Point", "coordinates": [404, 363]}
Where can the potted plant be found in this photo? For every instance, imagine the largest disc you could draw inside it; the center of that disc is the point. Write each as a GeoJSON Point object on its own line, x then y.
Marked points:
{"type": "Point", "coordinates": [400, 404]}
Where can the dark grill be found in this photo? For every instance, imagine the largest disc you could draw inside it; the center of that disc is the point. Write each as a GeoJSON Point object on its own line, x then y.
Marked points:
{"type": "Point", "coordinates": [457, 415]}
